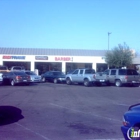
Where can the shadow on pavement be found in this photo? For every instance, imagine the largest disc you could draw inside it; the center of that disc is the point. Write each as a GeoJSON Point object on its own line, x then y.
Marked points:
{"type": "Point", "coordinates": [9, 114]}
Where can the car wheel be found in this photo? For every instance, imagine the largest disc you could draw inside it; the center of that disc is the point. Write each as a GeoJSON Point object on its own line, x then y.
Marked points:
{"type": "Point", "coordinates": [68, 81]}
{"type": "Point", "coordinates": [27, 84]}
{"type": "Point", "coordinates": [43, 79]}
{"type": "Point", "coordinates": [136, 85]}
{"type": "Point", "coordinates": [98, 84]}
{"type": "Point", "coordinates": [55, 81]}
{"type": "Point", "coordinates": [86, 83]}
{"type": "Point", "coordinates": [12, 83]}
{"type": "Point", "coordinates": [118, 83]}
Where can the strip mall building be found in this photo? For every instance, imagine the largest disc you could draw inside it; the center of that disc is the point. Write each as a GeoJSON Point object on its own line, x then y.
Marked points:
{"type": "Point", "coordinates": [54, 59]}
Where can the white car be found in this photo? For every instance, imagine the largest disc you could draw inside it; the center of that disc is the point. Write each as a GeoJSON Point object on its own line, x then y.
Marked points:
{"type": "Point", "coordinates": [33, 76]}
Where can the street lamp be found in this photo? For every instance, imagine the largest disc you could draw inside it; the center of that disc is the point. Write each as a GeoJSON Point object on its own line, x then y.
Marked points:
{"type": "Point", "coordinates": [108, 39]}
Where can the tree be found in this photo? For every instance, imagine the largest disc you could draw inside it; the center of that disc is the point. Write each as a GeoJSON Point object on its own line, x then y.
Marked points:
{"type": "Point", "coordinates": [121, 56]}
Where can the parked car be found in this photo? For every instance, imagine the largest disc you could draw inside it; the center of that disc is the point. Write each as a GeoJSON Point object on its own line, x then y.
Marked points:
{"type": "Point", "coordinates": [33, 76]}
{"type": "Point", "coordinates": [131, 123]}
{"type": "Point", "coordinates": [118, 77]}
{"type": "Point", "coordinates": [53, 76]}
{"type": "Point", "coordinates": [16, 77]}
{"type": "Point", "coordinates": [3, 68]}
{"type": "Point", "coordinates": [17, 68]}
{"type": "Point", "coordinates": [1, 78]}
{"type": "Point", "coordinates": [84, 76]}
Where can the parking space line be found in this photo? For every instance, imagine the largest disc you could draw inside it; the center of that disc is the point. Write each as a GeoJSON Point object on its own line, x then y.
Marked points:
{"type": "Point", "coordinates": [107, 139]}
{"type": "Point", "coordinates": [85, 112]}
{"type": "Point", "coordinates": [121, 104]}
{"type": "Point", "coordinates": [33, 131]}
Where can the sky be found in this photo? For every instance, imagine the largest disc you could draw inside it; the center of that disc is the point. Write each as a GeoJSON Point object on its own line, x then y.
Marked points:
{"type": "Point", "coordinates": [70, 24]}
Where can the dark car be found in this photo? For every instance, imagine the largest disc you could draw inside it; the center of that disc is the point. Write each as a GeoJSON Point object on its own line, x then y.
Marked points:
{"type": "Point", "coordinates": [131, 123]}
{"type": "Point", "coordinates": [16, 77]}
{"type": "Point", "coordinates": [53, 76]}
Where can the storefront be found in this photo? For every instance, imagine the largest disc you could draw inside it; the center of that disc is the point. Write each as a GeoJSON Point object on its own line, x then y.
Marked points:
{"type": "Point", "coordinates": [43, 60]}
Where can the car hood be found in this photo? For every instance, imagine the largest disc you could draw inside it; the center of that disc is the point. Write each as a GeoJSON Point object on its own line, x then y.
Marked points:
{"type": "Point", "coordinates": [60, 76]}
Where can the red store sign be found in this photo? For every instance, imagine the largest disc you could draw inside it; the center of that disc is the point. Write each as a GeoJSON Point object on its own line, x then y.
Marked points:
{"type": "Point", "coordinates": [63, 58]}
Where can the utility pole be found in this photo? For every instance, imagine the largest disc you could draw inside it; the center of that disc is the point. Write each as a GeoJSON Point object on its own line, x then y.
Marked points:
{"type": "Point", "coordinates": [108, 39]}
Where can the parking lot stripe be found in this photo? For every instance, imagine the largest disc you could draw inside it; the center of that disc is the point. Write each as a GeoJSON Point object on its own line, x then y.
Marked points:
{"type": "Point", "coordinates": [33, 131]}
{"type": "Point", "coordinates": [107, 139]}
{"type": "Point", "coordinates": [85, 112]}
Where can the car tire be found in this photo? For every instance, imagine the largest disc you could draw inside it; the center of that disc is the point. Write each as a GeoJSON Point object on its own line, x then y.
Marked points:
{"type": "Point", "coordinates": [27, 84]}
{"type": "Point", "coordinates": [12, 83]}
{"type": "Point", "coordinates": [68, 81]}
{"type": "Point", "coordinates": [86, 83]}
{"type": "Point", "coordinates": [118, 83]}
{"type": "Point", "coordinates": [55, 81]}
{"type": "Point", "coordinates": [136, 85]}
{"type": "Point", "coordinates": [43, 79]}
{"type": "Point", "coordinates": [98, 84]}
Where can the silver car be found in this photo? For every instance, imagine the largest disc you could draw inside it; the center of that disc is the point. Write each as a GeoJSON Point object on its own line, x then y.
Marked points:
{"type": "Point", "coordinates": [34, 77]}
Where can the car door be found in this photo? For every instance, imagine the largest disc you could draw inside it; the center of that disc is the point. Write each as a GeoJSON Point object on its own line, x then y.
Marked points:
{"type": "Point", "coordinates": [74, 76]}
{"type": "Point", "coordinates": [80, 76]}
{"type": "Point", "coordinates": [7, 77]}
{"type": "Point", "coordinates": [49, 76]}
{"type": "Point", "coordinates": [112, 76]}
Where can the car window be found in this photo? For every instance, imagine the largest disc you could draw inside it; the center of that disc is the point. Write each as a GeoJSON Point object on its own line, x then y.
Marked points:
{"type": "Point", "coordinates": [89, 71]}
{"type": "Point", "coordinates": [50, 73]}
{"type": "Point", "coordinates": [47, 73]}
{"type": "Point", "coordinates": [113, 72]}
{"type": "Point", "coordinates": [19, 73]}
{"type": "Point", "coordinates": [58, 73]}
{"type": "Point", "coordinates": [81, 71]}
{"type": "Point", "coordinates": [17, 68]}
{"type": "Point", "coordinates": [122, 72]}
{"type": "Point", "coordinates": [106, 72]}
{"type": "Point", "coordinates": [30, 73]}
{"type": "Point", "coordinates": [75, 72]}
{"type": "Point", "coordinates": [132, 72]}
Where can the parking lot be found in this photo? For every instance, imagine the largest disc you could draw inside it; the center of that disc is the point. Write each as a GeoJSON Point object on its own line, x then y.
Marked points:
{"type": "Point", "coordinates": [48, 111]}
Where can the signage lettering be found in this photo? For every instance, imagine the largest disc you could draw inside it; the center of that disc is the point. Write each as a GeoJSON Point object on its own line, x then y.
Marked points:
{"type": "Point", "coordinates": [41, 57]}
{"type": "Point", "coordinates": [63, 59]}
{"type": "Point", "coordinates": [13, 57]}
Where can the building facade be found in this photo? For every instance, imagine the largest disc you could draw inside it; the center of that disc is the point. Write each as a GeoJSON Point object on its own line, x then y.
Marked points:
{"type": "Point", "coordinates": [54, 59]}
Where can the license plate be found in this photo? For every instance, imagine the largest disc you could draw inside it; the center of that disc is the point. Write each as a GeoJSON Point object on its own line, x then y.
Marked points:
{"type": "Point", "coordinates": [24, 80]}
{"type": "Point", "coordinates": [134, 82]}
{"type": "Point", "coordinates": [102, 80]}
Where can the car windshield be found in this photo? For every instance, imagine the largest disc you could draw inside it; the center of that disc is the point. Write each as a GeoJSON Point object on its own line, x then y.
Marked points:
{"type": "Point", "coordinates": [19, 73]}
{"type": "Point", "coordinates": [30, 73]}
{"type": "Point", "coordinates": [58, 73]}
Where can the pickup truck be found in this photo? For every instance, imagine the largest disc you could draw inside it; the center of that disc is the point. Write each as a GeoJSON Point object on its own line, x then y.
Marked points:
{"type": "Point", "coordinates": [118, 77]}
{"type": "Point", "coordinates": [81, 76]}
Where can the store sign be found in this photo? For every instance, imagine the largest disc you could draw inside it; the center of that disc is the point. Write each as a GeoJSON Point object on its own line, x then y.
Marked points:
{"type": "Point", "coordinates": [41, 57]}
{"type": "Point", "coordinates": [63, 58]}
{"type": "Point", "coordinates": [13, 57]}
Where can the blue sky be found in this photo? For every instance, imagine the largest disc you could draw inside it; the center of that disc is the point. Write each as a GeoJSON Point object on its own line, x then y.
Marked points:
{"type": "Point", "coordinates": [69, 24]}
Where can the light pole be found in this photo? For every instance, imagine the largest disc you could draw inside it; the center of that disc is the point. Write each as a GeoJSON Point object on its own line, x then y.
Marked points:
{"type": "Point", "coordinates": [108, 39]}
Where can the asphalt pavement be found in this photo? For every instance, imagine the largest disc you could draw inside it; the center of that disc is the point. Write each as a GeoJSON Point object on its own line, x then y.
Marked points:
{"type": "Point", "coordinates": [47, 111]}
